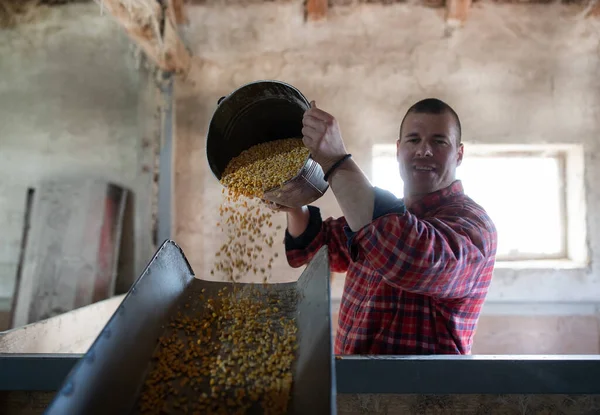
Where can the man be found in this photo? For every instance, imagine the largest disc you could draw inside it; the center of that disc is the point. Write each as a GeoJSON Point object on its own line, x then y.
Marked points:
{"type": "Point", "coordinates": [418, 269]}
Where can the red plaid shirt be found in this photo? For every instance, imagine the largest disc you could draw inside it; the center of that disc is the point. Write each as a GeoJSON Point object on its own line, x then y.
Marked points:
{"type": "Point", "coordinates": [415, 280]}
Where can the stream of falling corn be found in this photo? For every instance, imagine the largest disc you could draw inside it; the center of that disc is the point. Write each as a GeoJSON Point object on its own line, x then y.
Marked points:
{"type": "Point", "coordinates": [237, 350]}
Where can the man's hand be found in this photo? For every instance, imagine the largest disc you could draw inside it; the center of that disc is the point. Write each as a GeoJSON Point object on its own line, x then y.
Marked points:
{"type": "Point", "coordinates": [322, 137]}
{"type": "Point", "coordinates": [275, 207]}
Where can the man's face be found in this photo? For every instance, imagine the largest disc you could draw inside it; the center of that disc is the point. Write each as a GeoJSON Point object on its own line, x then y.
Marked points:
{"type": "Point", "coordinates": [428, 153]}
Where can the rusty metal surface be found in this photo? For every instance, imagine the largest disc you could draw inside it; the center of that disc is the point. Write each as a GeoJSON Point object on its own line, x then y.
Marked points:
{"type": "Point", "coordinates": [108, 378]}
{"type": "Point", "coordinates": [260, 112]}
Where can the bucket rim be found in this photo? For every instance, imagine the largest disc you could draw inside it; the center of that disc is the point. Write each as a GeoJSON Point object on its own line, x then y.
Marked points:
{"type": "Point", "coordinates": [262, 81]}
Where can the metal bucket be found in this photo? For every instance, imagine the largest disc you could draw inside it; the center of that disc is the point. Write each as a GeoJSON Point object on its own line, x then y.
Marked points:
{"type": "Point", "coordinates": [256, 113]}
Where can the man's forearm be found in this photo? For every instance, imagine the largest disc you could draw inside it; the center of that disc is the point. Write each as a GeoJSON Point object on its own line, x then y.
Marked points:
{"type": "Point", "coordinates": [297, 221]}
{"type": "Point", "coordinates": [354, 194]}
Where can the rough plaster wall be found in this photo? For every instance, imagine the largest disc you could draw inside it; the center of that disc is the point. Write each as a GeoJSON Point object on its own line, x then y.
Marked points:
{"type": "Point", "coordinates": [68, 106]}
{"type": "Point", "coordinates": [548, 334]}
{"type": "Point", "coordinates": [515, 74]}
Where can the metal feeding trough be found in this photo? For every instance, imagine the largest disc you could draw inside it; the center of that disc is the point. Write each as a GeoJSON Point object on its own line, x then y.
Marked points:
{"type": "Point", "coordinates": [109, 377]}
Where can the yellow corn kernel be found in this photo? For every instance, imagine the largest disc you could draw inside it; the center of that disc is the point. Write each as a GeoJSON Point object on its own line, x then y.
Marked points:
{"type": "Point", "coordinates": [264, 167]}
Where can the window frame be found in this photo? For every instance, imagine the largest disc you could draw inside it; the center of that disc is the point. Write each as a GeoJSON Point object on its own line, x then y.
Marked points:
{"type": "Point", "coordinates": [537, 153]}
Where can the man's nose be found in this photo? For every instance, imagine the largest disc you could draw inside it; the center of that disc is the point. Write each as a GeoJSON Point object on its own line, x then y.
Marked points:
{"type": "Point", "coordinates": [424, 150]}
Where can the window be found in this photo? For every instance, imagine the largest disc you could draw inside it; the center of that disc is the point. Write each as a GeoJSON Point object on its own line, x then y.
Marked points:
{"type": "Point", "coordinates": [534, 195]}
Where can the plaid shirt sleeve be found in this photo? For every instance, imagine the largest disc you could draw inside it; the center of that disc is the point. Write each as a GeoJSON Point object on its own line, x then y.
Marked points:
{"type": "Point", "coordinates": [300, 250]}
{"type": "Point", "coordinates": [440, 256]}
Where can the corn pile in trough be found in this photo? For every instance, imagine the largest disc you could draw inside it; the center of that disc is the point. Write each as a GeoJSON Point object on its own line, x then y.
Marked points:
{"type": "Point", "coordinates": [231, 354]}
{"type": "Point", "coordinates": [235, 352]}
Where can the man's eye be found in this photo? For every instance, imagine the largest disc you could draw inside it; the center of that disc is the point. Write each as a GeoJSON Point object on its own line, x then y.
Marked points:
{"type": "Point", "coordinates": [440, 142]}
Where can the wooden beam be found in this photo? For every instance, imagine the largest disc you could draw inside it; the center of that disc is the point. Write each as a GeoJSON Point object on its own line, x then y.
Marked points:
{"type": "Point", "coordinates": [149, 25]}
{"type": "Point", "coordinates": [316, 9]}
{"type": "Point", "coordinates": [593, 9]}
{"type": "Point", "coordinates": [175, 55]}
{"type": "Point", "coordinates": [457, 11]}
{"type": "Point", "coordinates": [176, 12]}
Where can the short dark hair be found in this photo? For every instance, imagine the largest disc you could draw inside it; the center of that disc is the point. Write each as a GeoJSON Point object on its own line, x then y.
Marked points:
{"type": "Point", "coordinates": [434, 106]}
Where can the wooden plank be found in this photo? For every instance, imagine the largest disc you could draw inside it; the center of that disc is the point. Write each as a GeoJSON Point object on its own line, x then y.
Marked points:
{"type": "Point", "coordinates": [147, 24]}
{"type": "Point", "coordinates": [176, 12]}
{"type": "Point", "coordinates": [24, 239]}
{"type": "Point", "coordinates": [457, 11]}
{"type": "Point", "coordinates": [71, 255]}
{"type": "Point", "coordinates": [126, 268]}
{"type": "Point", "coordinates": [316, 10]}
{"type": "Point", "coordinates": [72, 332]}
{"type": "Point", "coordinates": [4, 320]}
{"type": "Point", "coordinates": [110, 239]}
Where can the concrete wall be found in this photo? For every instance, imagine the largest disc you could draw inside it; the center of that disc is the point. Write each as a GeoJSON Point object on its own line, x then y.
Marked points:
{"type": "Point", "coordinates": [515, 74]}
{"type": "Point", "coordinates": [70, 104]}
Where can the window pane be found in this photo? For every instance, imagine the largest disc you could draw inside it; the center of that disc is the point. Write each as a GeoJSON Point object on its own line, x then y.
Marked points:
{"type": "Point", "coordinates": [522, 195]}
{"type": "Point", "coordinates": [386, 174]}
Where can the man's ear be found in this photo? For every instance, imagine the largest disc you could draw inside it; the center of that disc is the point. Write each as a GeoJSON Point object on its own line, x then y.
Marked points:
{"type": "Point", "coordinates": [461, 149]}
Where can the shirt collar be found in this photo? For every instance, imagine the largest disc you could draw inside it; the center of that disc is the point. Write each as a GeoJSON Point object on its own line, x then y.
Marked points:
{"type": "Point", "coordinates": [436, 199]}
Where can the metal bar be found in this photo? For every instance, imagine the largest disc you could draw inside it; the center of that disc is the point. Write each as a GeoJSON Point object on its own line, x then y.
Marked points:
{"type": "Point", "coordinates": [165, 176]}
{"type": "Point", "coordinates": [559, 374]}
{"type": "Point", "coordinates": [35, 372]}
